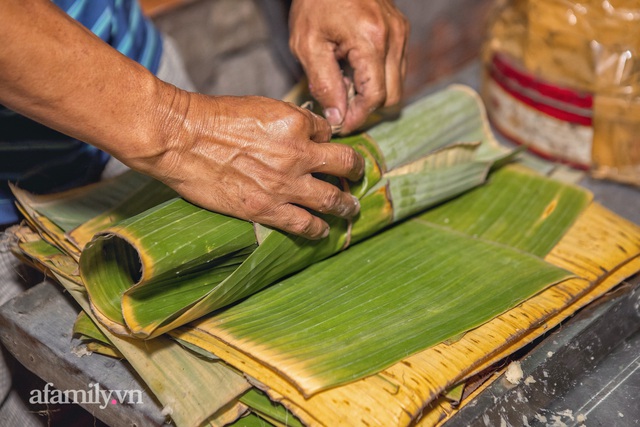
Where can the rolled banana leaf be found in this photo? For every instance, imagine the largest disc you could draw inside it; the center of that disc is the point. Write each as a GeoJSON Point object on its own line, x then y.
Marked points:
{"type": "Point", "coordinates": [180, 379]}
{"type": "Point", "coordinates": [69, 219]}
{"type": "Point", "coordinates": [175, 263]}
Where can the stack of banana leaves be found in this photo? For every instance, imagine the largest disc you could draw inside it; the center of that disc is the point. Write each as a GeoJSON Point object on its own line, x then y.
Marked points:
{"type": "Point", "coordinates": [458, 258]}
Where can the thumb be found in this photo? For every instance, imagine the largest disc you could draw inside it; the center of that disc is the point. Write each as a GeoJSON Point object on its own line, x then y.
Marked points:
{"type": "Point", "coordinates": [326, 84]}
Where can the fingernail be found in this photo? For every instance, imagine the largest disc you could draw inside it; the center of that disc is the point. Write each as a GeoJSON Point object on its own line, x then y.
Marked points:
{"type": "Point", "coordinates": [357, 205]}
{"type": "Point", "coordinates": [333, 116]}
{"type": "Point", "coordinates": [362, 166]}
{"type": "Point", "coordinates": [326, 233]}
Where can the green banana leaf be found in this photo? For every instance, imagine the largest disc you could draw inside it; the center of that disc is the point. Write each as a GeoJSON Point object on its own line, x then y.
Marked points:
{"type": "Point", "coordinates": [159, 270]}
{"type": "Point", "coordinates": [408, 288]}
{"type": "Point", "coordinates": [86, 329]}
{"type": "Point", "coordinates": [357, 313]}
{"type": "Point", "coordinates": [273, 412]}
{"type": "Point", "coordinates": [251, 420]}
{"type": "Point", "coordinates": [517, 207]}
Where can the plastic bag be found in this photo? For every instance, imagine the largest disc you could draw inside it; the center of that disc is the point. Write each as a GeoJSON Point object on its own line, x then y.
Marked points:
{"type": "Point", "coordinates": [563, 77]}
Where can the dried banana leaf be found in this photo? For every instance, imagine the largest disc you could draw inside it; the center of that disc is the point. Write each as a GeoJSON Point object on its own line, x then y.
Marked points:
{"type": "Point", "coordinates": [71, 218]}
{"type": "Point", "coordinates": [178, 378]}
{"type": "Point", "coordinates": [253, 399]}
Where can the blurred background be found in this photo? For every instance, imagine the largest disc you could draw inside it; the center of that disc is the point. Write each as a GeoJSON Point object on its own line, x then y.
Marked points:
{"type": "Point", "coordinates": [239, 47]}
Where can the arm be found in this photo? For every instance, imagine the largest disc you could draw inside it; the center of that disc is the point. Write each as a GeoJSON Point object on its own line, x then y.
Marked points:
{"type": "Point", "coordinates": [249, 157]}
{"type": "Point", "coordinates": [370, 35]}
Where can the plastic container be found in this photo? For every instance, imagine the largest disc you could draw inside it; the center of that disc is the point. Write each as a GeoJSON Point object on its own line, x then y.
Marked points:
{"type": "Point", "coordinates": [563, 78]}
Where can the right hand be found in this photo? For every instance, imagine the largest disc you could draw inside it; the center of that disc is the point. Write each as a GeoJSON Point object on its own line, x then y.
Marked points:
{"type": "Point", "coordinates": [252, 158]}
{"type": "Point", "coordinates": [370, 35]}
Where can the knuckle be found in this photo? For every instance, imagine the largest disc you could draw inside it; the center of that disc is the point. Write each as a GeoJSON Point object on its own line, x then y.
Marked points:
{"type": "Point", "coordinates": [257, 206]}
{"type": "Point", "coordinates": [302, 225]}
{"type": "Point", "coordinates": [376, 32]}
{"type": "Point", "coordinates": [349, 158]}
{"type": "Point", "coordinates": [375, 28]}
{"type": "Point", "coordinates": [295, 44]}
{"type": "Point", "coordinates": [320, 88]}
{"type": "Point", "coordinates": [290, 123]}
{"type": "Point", "coordinates": [301, 47]}
{"type": "Point", "coordinates": [330, 200]}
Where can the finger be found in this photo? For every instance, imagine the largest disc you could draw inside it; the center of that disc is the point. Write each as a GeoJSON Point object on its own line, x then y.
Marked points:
{"type": "Point", "coordinates": [338, 160]}
{"type": "Point", "coordinates": [320, 128]}
{"type": "Point", "coordinates": [325, 80]}
{"type": "Point", "coordinates": [395, 64]}
{"type": "Point", "coordinates": [295, 220]}
{"type": "Point", "coordinates": [370, 84]}
{"type": "Point", "coordinates": [326, 198]}
{"type": "Point", "coordinates": [405, 47]}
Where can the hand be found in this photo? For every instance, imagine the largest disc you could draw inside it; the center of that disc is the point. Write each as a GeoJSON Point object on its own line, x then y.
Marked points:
{"type": "Point", "coordinates": [247, 157]}
{"type": "Point", "coordinates": [371, 35]}
{"type": "Point", "coordinates": [253, 157]}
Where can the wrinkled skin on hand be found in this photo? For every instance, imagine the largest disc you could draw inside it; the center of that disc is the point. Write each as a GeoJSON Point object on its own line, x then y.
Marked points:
{"type": "Point", "coordinates": [248, 157]}
{"type": "Point", "coordinates": [252, 157]}
{"type": "Point", "coordinates": [370, 35]}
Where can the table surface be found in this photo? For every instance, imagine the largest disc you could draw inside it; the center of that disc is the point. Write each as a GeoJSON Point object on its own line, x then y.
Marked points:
{"type": "Point", "coordinates": [595, 370]}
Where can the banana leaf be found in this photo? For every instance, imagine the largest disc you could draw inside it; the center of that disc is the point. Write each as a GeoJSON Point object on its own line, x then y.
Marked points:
{"type": "Point", "coordinates": [69, 219]}
{"type": "Point", "coordinates": [386, 299]}
{"type": "Point", "coordinates": [251, 420]}
{"type": "Point", "coordinates": [92, 338]}
{"type": "Point", "coordinates": [600, 249]}
{"type": "Point", "coordinates": [380, 302]}
{"type": "Point", "coordinates": [600, 246]}
{"type": "Point", "coordinates": [253, 399]}
{"type": "Point", "coordinates": [549, 208]}
{"type": "Point", "coordinates": [274, 413]}
{"type": "Point", "coordinates": [179, 379]}
{"type": "Point", "coordinates": [158, 270]}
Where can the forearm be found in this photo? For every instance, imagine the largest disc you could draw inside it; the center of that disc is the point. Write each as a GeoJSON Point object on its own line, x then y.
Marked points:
{"type": "Point", "coordinates": [57, 72]}
{"type": "Point", "coordinates": [250, 157]}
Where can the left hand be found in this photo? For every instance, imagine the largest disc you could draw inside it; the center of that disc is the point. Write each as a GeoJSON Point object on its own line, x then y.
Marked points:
{"type": "Point", "coordinates": [370, 35]}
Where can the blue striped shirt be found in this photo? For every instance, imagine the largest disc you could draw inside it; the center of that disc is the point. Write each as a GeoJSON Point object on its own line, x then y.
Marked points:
{"type": "Point", "coordinates": [121, 24]}
{"type": "Point", "coordinates": [42, 160]}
